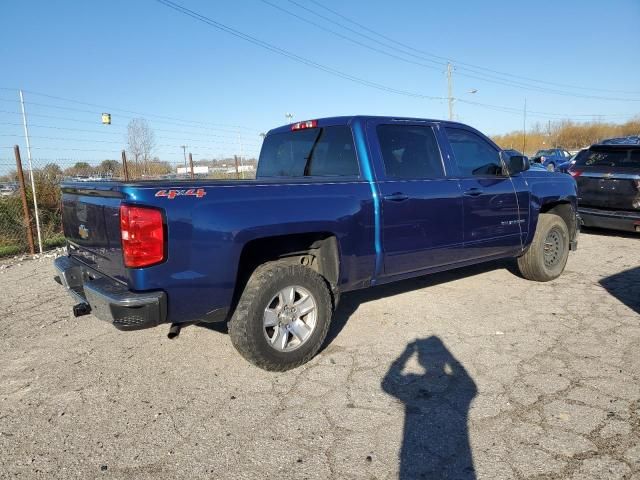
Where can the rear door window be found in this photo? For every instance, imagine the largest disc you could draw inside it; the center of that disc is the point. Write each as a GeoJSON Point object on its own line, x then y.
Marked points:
{"type": "Point", "coordinates": [410, 151]}
{"type": "Point", "coordinates": [313, 152]}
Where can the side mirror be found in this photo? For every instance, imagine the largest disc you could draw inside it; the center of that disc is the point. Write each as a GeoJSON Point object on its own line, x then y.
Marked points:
{"type": "Point", "coordinates": [515, 163]}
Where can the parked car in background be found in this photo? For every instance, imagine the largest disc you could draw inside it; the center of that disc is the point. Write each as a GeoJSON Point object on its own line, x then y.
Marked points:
{"type": "Point", "coordinates": [630, 140]}
{"type": "Point", "coordinates": [564, 167]}
{"type": "Point", "coordinates": [8, 189]}
{"type": "Point", "coordinates": [608, 179]}
{"type": "Point", "coordinates": [551, 158]}
{"type": "Point", "coordinates": [339, 204]}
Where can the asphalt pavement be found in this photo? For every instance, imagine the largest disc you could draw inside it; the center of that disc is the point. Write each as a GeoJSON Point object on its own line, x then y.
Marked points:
{"type": "Point", "coordinates": [475, 373]}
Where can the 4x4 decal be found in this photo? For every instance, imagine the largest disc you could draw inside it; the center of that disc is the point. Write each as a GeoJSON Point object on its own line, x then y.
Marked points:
{"type": "Point", "coordinates": [191, 192]}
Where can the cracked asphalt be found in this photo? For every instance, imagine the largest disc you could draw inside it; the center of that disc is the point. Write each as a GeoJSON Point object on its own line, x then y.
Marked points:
{"type": "Point", "coordinates": [476, 373]}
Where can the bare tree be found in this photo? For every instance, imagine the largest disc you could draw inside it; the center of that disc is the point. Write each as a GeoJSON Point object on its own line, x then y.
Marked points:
{"type": "Point", "coordinates": [141, 141]}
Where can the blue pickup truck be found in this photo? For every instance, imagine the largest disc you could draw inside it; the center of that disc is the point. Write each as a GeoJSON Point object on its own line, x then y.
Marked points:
{"type": "Point", "coordinates": [338, 204]}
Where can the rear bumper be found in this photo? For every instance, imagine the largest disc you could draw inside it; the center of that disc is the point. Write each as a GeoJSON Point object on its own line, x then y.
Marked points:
{"type": "Point", "coordinates": [615, 220]}
{"type": "Point", "coordinates": [110, 300]}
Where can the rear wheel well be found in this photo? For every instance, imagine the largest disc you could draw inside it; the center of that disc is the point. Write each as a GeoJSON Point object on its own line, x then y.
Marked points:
{"type": "Point", "coordinates": [565, 211]}
{"type": "Point", "coordinates": [318, 251]}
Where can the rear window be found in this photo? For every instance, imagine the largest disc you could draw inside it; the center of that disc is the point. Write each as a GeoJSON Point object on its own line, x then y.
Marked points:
{"type": "Point", "coordinates": [323, 152]}
{"type": "Point", "coordinates": [545, 153]}
{"type": "Point", "coordinates": [610, 158]}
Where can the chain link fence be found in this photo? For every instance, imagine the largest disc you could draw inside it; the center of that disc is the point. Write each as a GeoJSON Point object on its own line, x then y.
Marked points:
{"type": "Point", "coordinates": [20, 219]}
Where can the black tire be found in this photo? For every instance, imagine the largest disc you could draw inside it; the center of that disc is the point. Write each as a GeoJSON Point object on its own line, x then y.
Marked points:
{"type": "Point", "coordinates": [547, 255]}
{"type": "Point", "coordinates": [246, 325]}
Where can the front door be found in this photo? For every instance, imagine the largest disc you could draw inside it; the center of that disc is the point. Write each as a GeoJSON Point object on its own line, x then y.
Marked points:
{"type": "Point", "coordinates": [492, 220]}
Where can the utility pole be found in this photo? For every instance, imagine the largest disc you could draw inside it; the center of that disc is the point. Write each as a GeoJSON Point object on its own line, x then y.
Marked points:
{"type": "Point", "coordinates": [524, 128]}
{"type": "Point", "coordinates": [23, 195]}
{"type": "Point", "coordinates": [450, 88]}
{"type": "Point", "coordinates": [33, 183]}
{"type": "Point", "coordinates": [125, 167]}
{"type": "Point", "coordinates": [191, 164]}
{"type": "Point", "coordinates": [184, 154]}
{"type": "Point", "coordinates": [289, 117]}
{"type": "Point", "coordinates": [241, 164]}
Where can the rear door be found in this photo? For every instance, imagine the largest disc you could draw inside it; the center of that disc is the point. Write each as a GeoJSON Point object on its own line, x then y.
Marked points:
{"type": "Point", "coordinates": [421, 207]}
{"type": "Point", "coordinates": [608, 177]}
{"type": "Point", "coordinates": [492, 220]}
{"type": "Point", "coordinates": [91, 223]}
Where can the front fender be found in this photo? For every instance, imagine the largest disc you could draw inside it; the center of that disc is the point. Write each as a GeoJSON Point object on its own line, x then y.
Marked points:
{"type": "Point", "coordinates": [548, 190]}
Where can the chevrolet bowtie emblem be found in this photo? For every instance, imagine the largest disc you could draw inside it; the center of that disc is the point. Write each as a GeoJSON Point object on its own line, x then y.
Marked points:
{"type": "Point", "coordinates": [83, 232]}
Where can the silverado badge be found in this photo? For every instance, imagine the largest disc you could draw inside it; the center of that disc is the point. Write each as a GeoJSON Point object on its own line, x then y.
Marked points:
{"type": "Point", "coordinates": [83, 232]}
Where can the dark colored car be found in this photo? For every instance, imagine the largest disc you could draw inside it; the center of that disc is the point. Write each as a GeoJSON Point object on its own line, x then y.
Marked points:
{"type": "Point", "coordinates": [630, 140]}
{"type": "Point", "coordinates": [339, 204]}
{"type": "Point", "coordinates": [608, 179]}
{"type": "Point", "coordinates": [551, 158]}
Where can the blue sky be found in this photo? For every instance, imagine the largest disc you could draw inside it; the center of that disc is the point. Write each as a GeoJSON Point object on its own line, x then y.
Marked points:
{"type": "Point", "coordinates": [144, 57]}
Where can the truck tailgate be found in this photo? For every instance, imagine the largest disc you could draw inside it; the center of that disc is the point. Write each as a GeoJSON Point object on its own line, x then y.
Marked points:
{"type": "Point", "coordinates": [91, 223]}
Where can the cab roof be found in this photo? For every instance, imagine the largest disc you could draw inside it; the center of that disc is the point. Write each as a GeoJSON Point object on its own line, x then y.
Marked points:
{"type": "Point", "coordinates": [348, 120]}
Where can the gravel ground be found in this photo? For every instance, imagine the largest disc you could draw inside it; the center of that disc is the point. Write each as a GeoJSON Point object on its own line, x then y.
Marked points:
{"type": "Point", "coordinates": [469, 374]}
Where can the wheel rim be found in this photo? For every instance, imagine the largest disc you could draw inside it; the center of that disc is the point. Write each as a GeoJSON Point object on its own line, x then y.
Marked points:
{"type": "Point", "coordinates": [553, 247]}
{"type": "Point", "coordinates": [290, 318]}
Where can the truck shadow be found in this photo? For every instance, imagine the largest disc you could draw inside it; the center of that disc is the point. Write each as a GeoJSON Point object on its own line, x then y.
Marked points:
{"type": "Point", "coordinates": [350, 301]}
{"type": "Point", "coordinates": [625, 286]}
{"type": "Point", "coordinates": [436, 402]}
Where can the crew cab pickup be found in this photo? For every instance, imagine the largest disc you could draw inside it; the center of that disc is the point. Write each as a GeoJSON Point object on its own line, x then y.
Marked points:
{"type": "Point", "coordinates": [338, 204]}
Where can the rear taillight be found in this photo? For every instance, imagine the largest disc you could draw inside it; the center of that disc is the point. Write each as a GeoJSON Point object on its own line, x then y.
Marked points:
{"type": "Point", "coordinates": [142, 231]}
{"type": "Point", "coordinates": [575, 173]}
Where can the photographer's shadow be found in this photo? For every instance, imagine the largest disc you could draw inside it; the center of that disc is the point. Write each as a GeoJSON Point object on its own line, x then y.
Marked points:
{"type": "Point", "coordinates": [436, 400]}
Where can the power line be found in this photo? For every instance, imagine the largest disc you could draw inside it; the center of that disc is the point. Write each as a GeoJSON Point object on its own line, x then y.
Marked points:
{"type": "Point", "coordinates": [462, 64]}
{"type": "Point", "coordinates": [124, 133]}
{"type": "Point", "coordinates": [346, 37]}
{"type": "Point", "coordinates": [113, 142]}
{"type": "Point", "coordinates": [489, 78]}
{"type": "Point", "coordinates": [290, 55]}
{"type": "Point", "coordinates": [71, 100]}
{"type": "Point", "coordinates": [94, 112]}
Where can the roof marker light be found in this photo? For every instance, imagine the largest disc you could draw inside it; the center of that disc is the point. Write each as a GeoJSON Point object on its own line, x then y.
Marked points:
{"type": "Point", "coordinates": [304, 125]}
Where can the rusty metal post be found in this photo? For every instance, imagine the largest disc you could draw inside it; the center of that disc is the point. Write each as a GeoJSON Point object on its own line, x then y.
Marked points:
{"type": "Point", "coordinates": [237, 172]}
{"type": "Point", "coordinates": [25, 205]}
{"type": "Point", "coordinates": [125, 169]}
{"type": "Point", "coordinates": [191, 164]}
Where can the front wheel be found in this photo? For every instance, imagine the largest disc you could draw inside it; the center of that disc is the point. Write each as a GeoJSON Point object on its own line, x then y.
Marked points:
{"type": "Point", "coordinates": [283, 316]}
{"type": "Point", "coordinates": [547, 255]}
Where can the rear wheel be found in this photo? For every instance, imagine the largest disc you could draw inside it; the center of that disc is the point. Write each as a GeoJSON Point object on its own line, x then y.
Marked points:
{"type": "Point", "coordinates": [282, 317]}
{"type": "Point", "coordinates": [547, 255]}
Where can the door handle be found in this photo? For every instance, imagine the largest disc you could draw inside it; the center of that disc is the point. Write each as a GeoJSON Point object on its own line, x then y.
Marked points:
{"type": "Point", "coordinates": [396, 197]}
{"type": "Point", "coordinates": [473, 192]}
